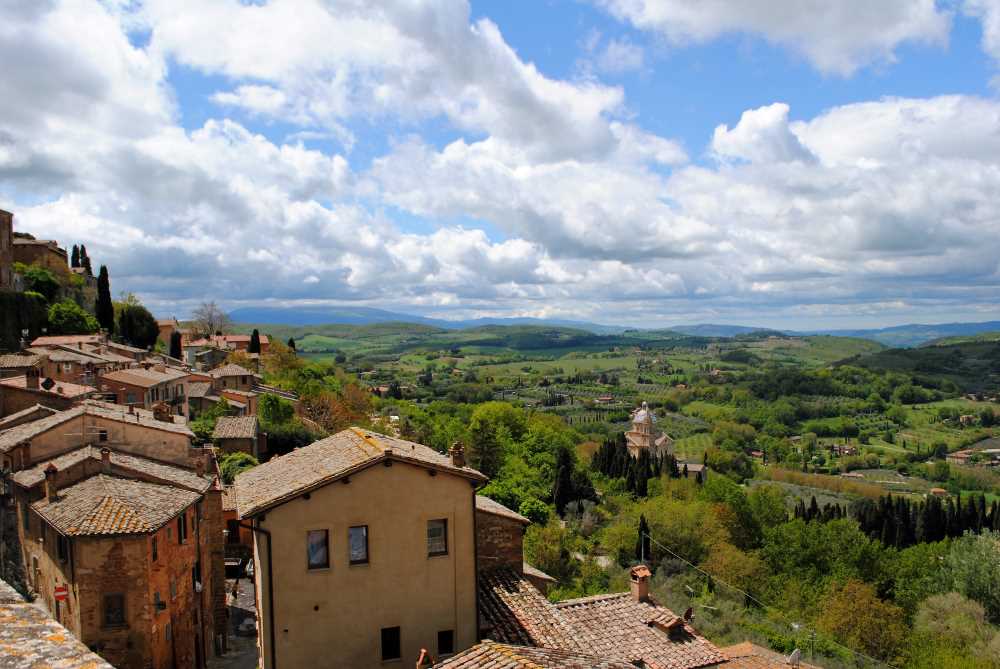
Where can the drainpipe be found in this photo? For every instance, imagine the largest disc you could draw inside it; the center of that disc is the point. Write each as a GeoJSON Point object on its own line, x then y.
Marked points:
{"type": "Point", "coordinates": [475, 553]}
{"type": "Point", "coordinates": [255, 527]}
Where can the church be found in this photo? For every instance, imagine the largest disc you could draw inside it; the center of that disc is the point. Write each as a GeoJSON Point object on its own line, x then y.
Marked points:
{"type": "Point", "coordinates": [645, 436]}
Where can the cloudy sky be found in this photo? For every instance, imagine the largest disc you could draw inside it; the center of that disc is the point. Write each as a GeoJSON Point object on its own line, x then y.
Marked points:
{"type": "Point", "coordinates": [792, 163]}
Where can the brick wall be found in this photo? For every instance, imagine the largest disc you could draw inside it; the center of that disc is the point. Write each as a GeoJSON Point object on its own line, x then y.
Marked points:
{"type": "Point", "coordinates": [499, 541]}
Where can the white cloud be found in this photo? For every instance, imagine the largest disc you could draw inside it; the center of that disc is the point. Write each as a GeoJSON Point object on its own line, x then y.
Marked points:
{"type": "Point", "coordinates": [836, 37]}
{"type": "Point", "coordinates": [762, 135]}
{"type": "Point", "coordinates": [620, 55]}
{"type": "Point", "coordinates": [988, 12]}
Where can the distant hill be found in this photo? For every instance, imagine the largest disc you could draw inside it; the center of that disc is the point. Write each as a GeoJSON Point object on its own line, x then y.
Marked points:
{"type": "Point", "coordinates": [711, 330]}
{"type": "Point", "coordinates": [973, 367]}
{"type": "Point", "coordinates": [905, 336]}
{"type": "Point", "coordinates": [299, 316]}
{"type": "Point", "coordinates": [964, 339]}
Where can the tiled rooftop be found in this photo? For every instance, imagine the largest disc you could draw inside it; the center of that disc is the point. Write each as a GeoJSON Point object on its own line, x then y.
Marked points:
{"type": "Point", "coordinates": [24, 416]}
{"type": "Point", "coordinates": [511, 610]}
{"type": "Point", "coordinates": [228, 498]}
{"type": "Point", "coordinates": [199, 389]}
{"type": "Point", "coordinates": [161, 471]}
{"type": "Point", "coordinates": [492, 655]}
{"type": "Point", "coordinates": [29, 639]}
{"type": "Point", "coordinates": [61, 388]}
{"type": "Point", "coordinates": [487, 505]}
{"type": "Point", "coordinates": [144, 378]}
{"type": "Point", "coordinates": [56, 340]}
{"type": "Point", "coordinates": [327, 460]}
{"type": "Point", "coordinates": [621, 626]}
{"type": "Point", "coordinates": [230, 370]}
{"type": "Point", "coordinates": [105, 505]}
{"type": "Point", "coordinates": [15, 361]}
{"type": "Point", "coordinates": [235, 427]}
{"type": "Point", "coordinates": [749, 656]}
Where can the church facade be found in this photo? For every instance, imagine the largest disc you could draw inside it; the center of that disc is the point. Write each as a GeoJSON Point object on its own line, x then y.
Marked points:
{"type": "Point", "coordinates": [645, 436]}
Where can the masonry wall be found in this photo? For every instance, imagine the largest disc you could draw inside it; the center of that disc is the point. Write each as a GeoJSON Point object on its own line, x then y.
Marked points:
{"type": "Point", "coordinates": [337, 613]}
{"type": "Point", "coordinates": [44, 255]}
{"type": "Point", "coordinates": [499, 542]}
{"type": "Point", "coordinates": [13, 400]}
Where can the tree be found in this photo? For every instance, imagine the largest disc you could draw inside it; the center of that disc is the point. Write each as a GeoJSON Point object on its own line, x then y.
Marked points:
{"type": "Point", "coordinates": [137, 326]}
{"type": "Point", "coordinates": [39, 280]}
{"type": "Point", "coordinates": [67, 317]}
{"type": "Point", "coordinates": [492, 428]}
{"type": "Point", "coordinates": [291, 343]}
{"type": "Point", "coordinates": [972, 568]}
{"type": "Point", "coordinates": [75, 257]}
{"type": "Point", "coordinates": [642, 546]}
{"type": "Point", "coordinates": [209, 319]}
{"type": "Point", "coordinates": [855, 616]}
{"type": "Point", "coordinates": [176, 350]}
{"type": "Point", "coordinates": [232, 464]}
{"type": "Point", "coordinates": [273, 409]}
{"type": "Point", "coordinates": [85, 260]}
{"type": "Point", "coordinates": [562, 487]}
{"type": "Point", "coordinates": [254, 346]}
{"type": "Point", "coordinates": [104, 308]}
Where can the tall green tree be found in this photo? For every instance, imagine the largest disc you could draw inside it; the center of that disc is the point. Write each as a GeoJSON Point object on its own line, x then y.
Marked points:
{"type": "Point", "coordinates": [175, 345]}
{"type": "Point", "coordinates": [67, 317]}
{"type": "Point", "coordinates": [291, 343]}
{"type": "Point", "coordinates": [85, 260]}
{"type": "Point", "coordinates": [254, 346]}
{"type": "Point", "coordinates": [642, 545]}
{"type": "Point", "coordinates": [74, 259]}
{"type": "Point", "coordinates": [105, 308]}
{"type": "Point", "coordinates": [562, 487]}
{"type": "Point", "coordinates": [137, 326]}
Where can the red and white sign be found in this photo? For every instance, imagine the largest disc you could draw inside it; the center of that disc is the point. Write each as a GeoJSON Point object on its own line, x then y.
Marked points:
{"type": "Point", "coordinates": [61, 593]}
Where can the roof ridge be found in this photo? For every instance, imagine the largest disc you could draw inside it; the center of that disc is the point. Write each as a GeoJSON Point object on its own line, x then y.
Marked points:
{"type": "Point", "coordinates": [592, 598]}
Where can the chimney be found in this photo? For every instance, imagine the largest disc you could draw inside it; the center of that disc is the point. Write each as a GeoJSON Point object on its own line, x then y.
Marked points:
{"type": "Point", "coordinates": [639, 576]}
{"type": "Point", "coordinates": [199, 465]}
{"type": "Point", "coordinates": [51, 491]}
{"type": "Point", "coordinates": [31, 377]}
{"type": "Point", "coordinates": [457, 453]}
{"type": "Point", "coordinates": [106, 460]}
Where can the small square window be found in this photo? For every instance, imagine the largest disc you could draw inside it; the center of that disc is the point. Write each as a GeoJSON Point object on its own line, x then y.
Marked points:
{"type": "Point", "coordinates": [182, 528]}
{"type": "Point", "coordinates": [437, 537]}
{"type": "Point", "coordinates": [446, 642]}
{"type": "Point", "coordinates": [155, 551]}
{"type": "Point", "coordinates": [114, 610]}
{"type": "Point", "coordinates": [318, 549]}
{"type": "Point", "coordinates": [357, 539]}
{"type": "Point", "coordinates": [62, 547]}
{"type": "Point", "coordinates": [390, 644]}
{"type": "Point", "coordinates": [102, 435]}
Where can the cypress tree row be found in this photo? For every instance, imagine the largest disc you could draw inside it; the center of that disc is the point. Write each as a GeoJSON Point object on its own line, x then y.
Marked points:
{"type": "Point", "coordinates": [74, 259]}
{"type": "Point", "coordinates": [613, 460]}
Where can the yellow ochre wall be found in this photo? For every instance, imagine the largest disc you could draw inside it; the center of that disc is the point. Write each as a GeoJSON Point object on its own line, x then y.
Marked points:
{"type": "Point", "coordinates": [333, 618]}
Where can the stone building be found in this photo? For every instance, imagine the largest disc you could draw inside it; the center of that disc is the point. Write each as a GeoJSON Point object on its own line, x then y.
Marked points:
{"type": "Point", "coordinates": [240, 434]}
{"type": "Point", "coordinates": [364, 551]}
{"type": "Point", "coordinates": [148, 386]}
{"type": "Point", "coordinates": [134, 542]}
{"type": "Point", "coordinates": [32, 387]}
{"type": "Point", "coordinates": [644, 436]}
{"type": "Point", "coordinates": [42, 252]}
{"type": "Point", "coordinates": [6, 250]}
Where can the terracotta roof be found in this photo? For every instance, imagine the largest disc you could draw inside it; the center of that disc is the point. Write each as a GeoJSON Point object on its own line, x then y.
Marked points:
{"type": "Point", "coordinates": [126, 347]}
{"type": "Point", "coordinates": [228, 498]}
{"type": "Point", "coordinates": [511, 610]}
{"type": "Point", "coordinates": [16, 361]}
{"type": "Point", "coordinates": [487, 505]}
{"type": "Point", "coordinates": [161, 471]}
{"type": "Point", "coordinates": [60, 389]}
{"type": "Point", "coordinates": [535, 572]}
{"type": "Point", "coordinates": [66, 354]}
{"type": "Point", "coordinates": [29, 639]}
{"type": "Point", "coordinates": [143, 378]}
{"type": "Point", "coordinates": [750, 656]}
{"type": "Point", "coordinates": [199, 389]}
{"type": "Point", "coordinates": [230, 370]}
{"type": "Point", "coordinates": [103, 505]}
{"type": "Point", "coordinates": [492, 655]}
{"type": "Point", "coordinates": [329, 459]}
{"type": "Point", "coordinates": [116, 412]}
{"type": "Point", "coordinates": [235, 427]}
{"type": "Point", "coordinates": [619, 625]}
{"type": "Point", "coordinates": [25, 416]}
{"type": "Point", "coordinates": [55, 340]}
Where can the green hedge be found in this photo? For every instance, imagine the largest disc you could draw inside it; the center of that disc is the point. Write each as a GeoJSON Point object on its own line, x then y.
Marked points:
{"type": "Point", "coordinates": [19, 311]}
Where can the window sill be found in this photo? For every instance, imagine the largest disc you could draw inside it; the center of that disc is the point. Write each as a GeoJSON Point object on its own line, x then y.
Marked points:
{"type": "Point", "coordinates": [431, 556]}
{"type": "Point", "coordinates": [313, 570]}
{"type": "Point", "coordinates": [359, 564]}
{"type": "Point", "coordinates": [115, 628]}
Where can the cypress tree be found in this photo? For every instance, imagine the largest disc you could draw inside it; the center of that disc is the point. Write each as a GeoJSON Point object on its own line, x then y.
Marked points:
{"type": "Point", "coordinates": [254, 346]}
{"type": "Point", "coordinates": [642, 544]}
{"type": "Point", "coordinates": [85, 260]}
{"type": "Point", "coordinates": [74, 259]}
{"type": "Point", "coordinates": [104, 309]}
{"type": "Point", "coordinates": [175, 345]}
{"type": "Point", "coordinates": [291, 343]}
{"type": "Point", "coordinates": [562, 487]}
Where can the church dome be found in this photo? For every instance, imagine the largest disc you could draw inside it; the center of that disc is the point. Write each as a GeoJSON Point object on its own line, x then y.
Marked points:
{"type": "Point", "coordinates": [644, 415]}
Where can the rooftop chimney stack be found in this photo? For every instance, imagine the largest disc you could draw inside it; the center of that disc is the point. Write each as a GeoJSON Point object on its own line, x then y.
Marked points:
{"type": "Point", "coordinates": [106, 460]}
{"type": "Point", "coordinates": [457, 453]}
{"type": "Point", "coordinates": [51, 491]}
{"type": "Point", "coordinates": [32, 375]}
{"type": "Point", "coordinates": [639, 576]}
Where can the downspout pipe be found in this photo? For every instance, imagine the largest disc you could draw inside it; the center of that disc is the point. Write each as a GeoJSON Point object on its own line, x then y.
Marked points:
{"type": "Point", "coordinates": [255, 527]}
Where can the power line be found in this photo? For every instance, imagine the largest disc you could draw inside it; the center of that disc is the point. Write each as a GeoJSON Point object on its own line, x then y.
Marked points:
{"type": "Point", "coordinates": [760, 603]}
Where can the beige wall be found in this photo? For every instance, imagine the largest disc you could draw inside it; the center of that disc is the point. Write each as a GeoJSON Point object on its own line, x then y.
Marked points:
{"type": "Point", "coordinates": [337, 614]}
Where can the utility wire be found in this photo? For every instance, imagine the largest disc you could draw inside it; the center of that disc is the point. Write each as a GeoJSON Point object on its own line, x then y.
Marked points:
{"type": "Point", "coordinates": [760, 603]}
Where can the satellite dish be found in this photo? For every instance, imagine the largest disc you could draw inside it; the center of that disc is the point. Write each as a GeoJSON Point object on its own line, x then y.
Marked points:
{"type": "Point", "coordinates": [794, 658]}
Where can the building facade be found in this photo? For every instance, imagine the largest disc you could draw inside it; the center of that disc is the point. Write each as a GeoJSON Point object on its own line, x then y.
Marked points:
{"type": "Point", "coordinates": [644, 435]}
{"type": "Point", "coordinates": [364, 549]}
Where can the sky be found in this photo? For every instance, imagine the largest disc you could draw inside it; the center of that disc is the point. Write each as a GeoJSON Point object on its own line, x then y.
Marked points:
{"type": "Point", "coordinates": [783, 163]}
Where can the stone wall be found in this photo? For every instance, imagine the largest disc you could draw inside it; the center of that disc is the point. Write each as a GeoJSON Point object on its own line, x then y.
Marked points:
{"type": "Point", "coordinates": [499, 542]}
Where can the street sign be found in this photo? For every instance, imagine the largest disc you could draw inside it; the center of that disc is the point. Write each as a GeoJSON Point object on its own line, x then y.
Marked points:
{"type": "Point", "coordinates": [61, 593]}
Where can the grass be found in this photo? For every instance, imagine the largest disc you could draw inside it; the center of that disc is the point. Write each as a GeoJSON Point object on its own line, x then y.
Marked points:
{"type": "Point", "coordinates": [689, 449]}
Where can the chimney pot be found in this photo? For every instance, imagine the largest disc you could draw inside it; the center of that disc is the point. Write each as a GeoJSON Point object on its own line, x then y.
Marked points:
{"type": "Point", "coordinates": [51, 491]}
{"type": "Point", "coordinates": [639, 577]}
{"type": "Point", "coordinates": [457, 453]}
{"type": "Point", "coordinates": [106, 460]}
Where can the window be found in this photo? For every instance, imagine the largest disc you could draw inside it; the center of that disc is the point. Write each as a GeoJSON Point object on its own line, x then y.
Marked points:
{"type": "Point", "coordinates": [233, 531]}
{"type": "Point", "coordinates": [196, 575]}
{"type": "Point", "coordinates": [167, 632]}
{"type": "Point", "coordinates": [437, 537]}
{"type": "Point", "coordinates": [173, 589]}
{"type": "Point", "coordinates": [62, 547]}
{"type": "Point", "coordinates": [26, 516]}
{"type": "Point", "coordinates": [102, 435]}
{"type": "Point", "coordinates": [446, 642]}
{"type": "Point", "coordinates": [182, 528]}
{"type": "Point", "coordinates": [390, 644]}
{"type": "Point", "coordinates": [155, 551]}
{"type": "Point", "coordinates": [318, 548]}
{"type": "Point", "coordinates": [114, 610]}
{"type": "Point", "coordinates": [357, 540]}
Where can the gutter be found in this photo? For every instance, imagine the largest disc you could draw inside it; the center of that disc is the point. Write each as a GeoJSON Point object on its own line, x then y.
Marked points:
{"type": "Point", "coordinates": [255, 527]}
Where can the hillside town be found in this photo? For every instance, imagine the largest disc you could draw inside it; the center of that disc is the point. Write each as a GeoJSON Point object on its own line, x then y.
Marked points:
{"type": "Point", "coordinates": [361, 548]}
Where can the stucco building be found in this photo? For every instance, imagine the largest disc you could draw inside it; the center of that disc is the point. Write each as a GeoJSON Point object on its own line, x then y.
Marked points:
{"type": "Point", "coordinates": [364, 549]}
{"type": "Point", "coordinates": [644, 435]}
{"type": "Point", "coordinates": [148, 386]}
